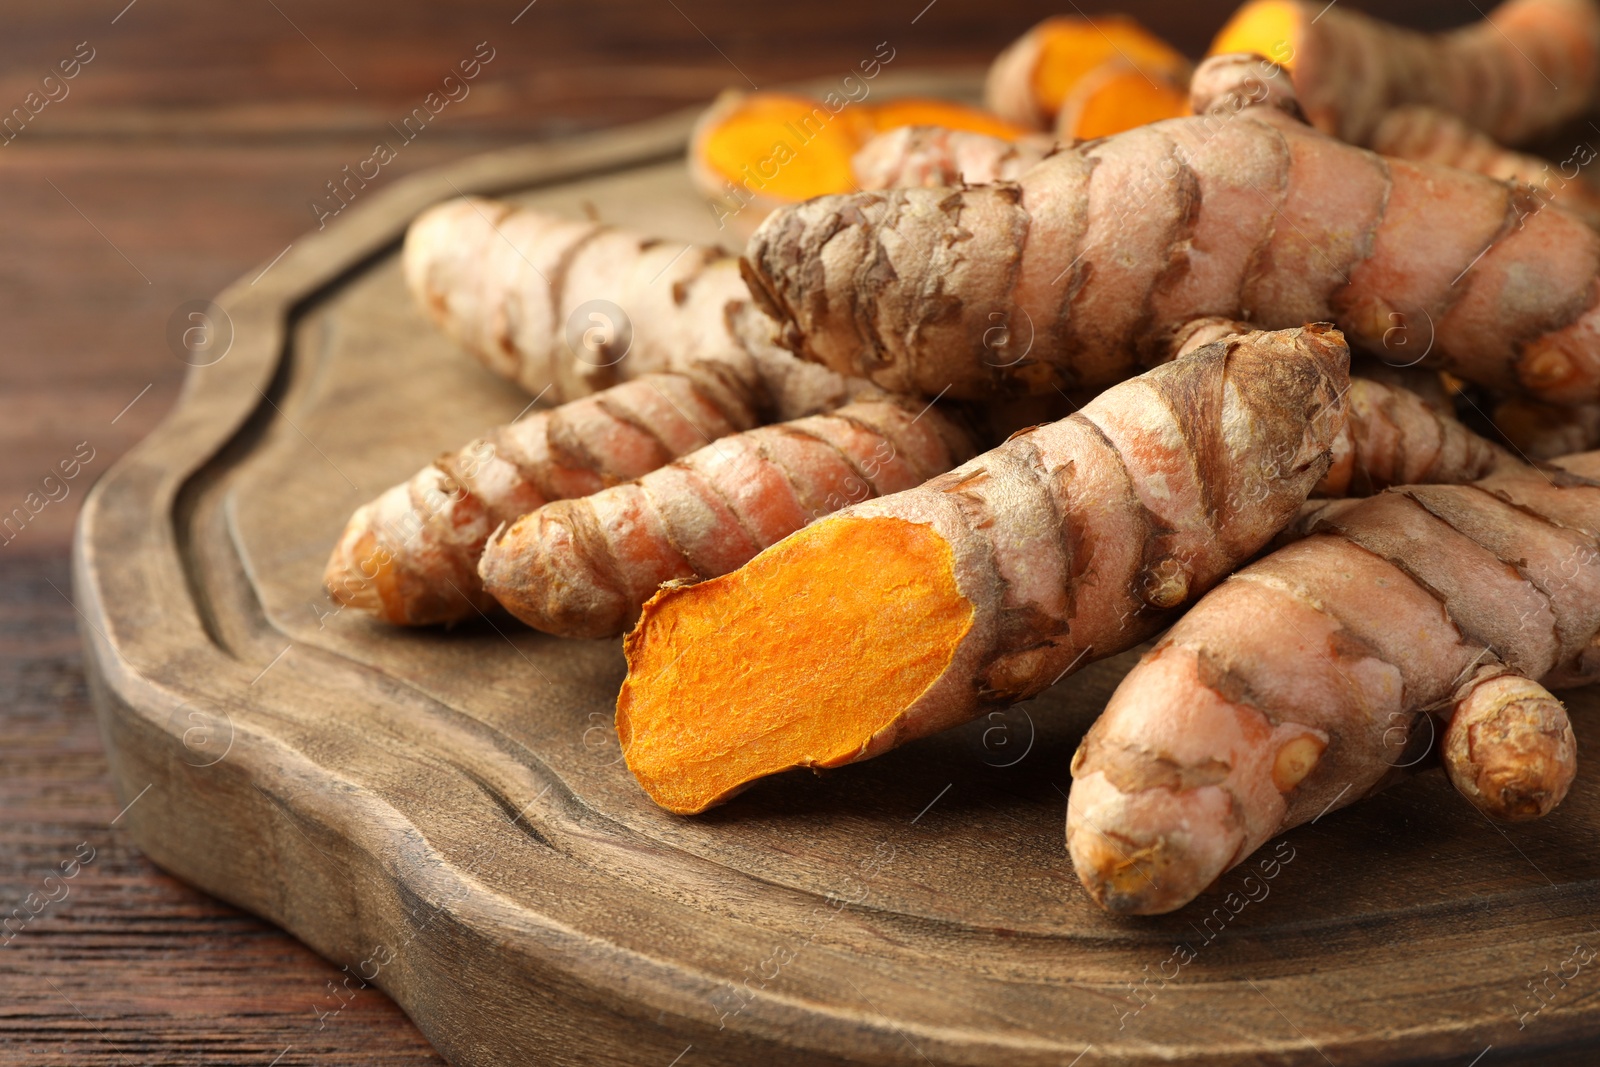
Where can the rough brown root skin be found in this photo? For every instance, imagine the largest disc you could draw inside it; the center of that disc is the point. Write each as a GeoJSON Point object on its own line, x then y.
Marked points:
{"type": "Point", "coordinates": [584, 567]}
{"type": "Point", "coordinates": [1078, 273]}
{"type": "Point", "coordinates": [1070, 542]}
{"type": "Point", "coordinates": [1481, 73]}
{"type": "Point", "coordinates": [1545, 431]}
{"type": "Point", "coordinates": [1509, 748]}
{"type": "Point", "coordinates": [1394, 437]}
{"type": "Point", "coordinates": [1399, 428]}
{"type": "Point", "coordinates": [934, 157]}
{"type": "Point", "coordinates": [1427, 135]}
{"type": "Point", "coordinates": [1039, 73]}
{"type": "Point", "coordinates": [1308, 680]}
{"type": "Point", "coordinates": [1228, 83]}
{"type": "Point", "coordinates": [411, 556]}
{"type": "Point", "coordinates": [536, 299]}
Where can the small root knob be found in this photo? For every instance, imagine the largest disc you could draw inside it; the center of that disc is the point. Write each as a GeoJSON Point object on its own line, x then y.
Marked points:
{"type": "Point", "coordinates": [1166, 585]}
{"type": "Point", "coordinates": [1509, 749]}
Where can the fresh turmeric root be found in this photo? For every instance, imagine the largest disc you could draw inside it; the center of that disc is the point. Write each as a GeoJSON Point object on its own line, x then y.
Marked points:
{"type": "Point", "coordinates": [898, 617]}
{"type": "Point", "coordinates": [584, 567]}
{"type": "Point", "coordinates": [1398, 429]}
{"type": "Point", "coordinates": [1427, 135]}
{"type": "Point", "coordinates": [752, 152]}
{"type": "Point", "coordinates": [934, 157]}
{"type": "Point", "coordinates": [411, 556]}
{"type": "Point", "coordinates": [566, 308]}
{"type": "Point", "coordinates": [1516, 75]}
{"type": "Point", "coordinates": [1117, 96]}
{"type": "Point", "coordinates": [1393, 437]}
{"type": "Point", "coordinates": [1310, 680]}
{"type": "Point", "coordinates": [1545, 431]}
{"type": "Point", "coordinates": [1092, 259]}
{"type": "Point", "coordinates": [1088, 77]}
{"type": "Point", "coordinates": [700, 365]}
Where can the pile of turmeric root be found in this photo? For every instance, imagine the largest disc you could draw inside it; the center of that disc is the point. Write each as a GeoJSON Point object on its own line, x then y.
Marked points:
{"type": "Point", "coordinates": [1288, 362]}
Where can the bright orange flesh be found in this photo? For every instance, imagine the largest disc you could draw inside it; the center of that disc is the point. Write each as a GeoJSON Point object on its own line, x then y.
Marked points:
{"type": "Point", "coordinates": [792, 148]}
{"type": "Point", "coordinates": [1120, 102]}
{"type": "Point", "coordinates": [1268, 28]}
{"type": "Point", "coordinates": [919, 111]}
{"type": "Point", "coordinates": [783, 663]}
{"type": "Point", "coordinates": [1073, 47]}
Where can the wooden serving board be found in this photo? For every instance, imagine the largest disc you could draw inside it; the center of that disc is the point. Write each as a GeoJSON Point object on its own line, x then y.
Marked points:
{"type": "Point", "coordinates": [446, 814]}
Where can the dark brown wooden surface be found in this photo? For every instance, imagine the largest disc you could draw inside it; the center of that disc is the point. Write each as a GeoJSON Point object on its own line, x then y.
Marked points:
{"type": "Point", "coordinates": [185, 156]}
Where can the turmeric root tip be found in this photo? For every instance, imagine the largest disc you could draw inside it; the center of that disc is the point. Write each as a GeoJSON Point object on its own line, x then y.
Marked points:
{"type": "Point", "coordinates": [1509, 749]}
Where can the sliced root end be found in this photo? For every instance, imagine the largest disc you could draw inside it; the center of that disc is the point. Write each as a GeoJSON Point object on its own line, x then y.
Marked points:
{"type": "Point", "coordinates": [802, 657]}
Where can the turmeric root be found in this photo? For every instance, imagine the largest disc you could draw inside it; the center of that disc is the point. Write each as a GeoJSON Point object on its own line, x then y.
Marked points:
{"type": "Point", "coordinates": [411, 556]}
{"type": "Point", "coordinates": [1394, 432]}
{"type": "Point", "coordinates": [567, 308]}
{"type": "Point", "coordinates": [1117, 96]}
{"type": "Point", "coordinates": [935, 157]}
{"type": "Point", "coordinates": [901, 616]}
{"type": "Point", "coordinates": [1545, 431]}
{"type": "Point", "coordinates": [1096, 255]}
{"type": "Point", "coordinates": [751, 152]}
{"type": "Point", "coordinates": [1393, 437]}
{"type": "Point", "coordinates": [1309, 679]}
{"type": "Point", "coordinates": [1427, 135]}
{"type": "Point", "coordinates": [584, 567]}
{"type": "Point", "coordinates": [1521, 72]}
{"type": "Point", "coordinates": [1108, 70]}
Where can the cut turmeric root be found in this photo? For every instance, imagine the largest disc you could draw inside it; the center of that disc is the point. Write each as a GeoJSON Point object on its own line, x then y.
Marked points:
{"type": "Point", "coordinates": [1517, 74]}
{"type": "Point", "coordinates": [752, 152]}
{"type": "Point", "coordinates": [1115, 97]}
{"type": "Point", "coordinates": [584, 567]}
{"type": "Point", "coordinates": [1311, 679]}
{"type": "Point", "coordinates": [898, 617]}
{"type": "Point", "coordinates": [1088, 77]}
{"type": "Point", "coordinates": [1099, 253]}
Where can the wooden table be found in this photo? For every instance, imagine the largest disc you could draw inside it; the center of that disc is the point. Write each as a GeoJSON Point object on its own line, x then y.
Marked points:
{"type": "Point", "coordinates": [187, 151]}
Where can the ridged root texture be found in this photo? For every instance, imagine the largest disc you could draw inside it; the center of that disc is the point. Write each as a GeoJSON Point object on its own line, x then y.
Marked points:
{"type": "Point", "coordinates": [1335, 665]}
{"type": "Point", "coordinates": [1427, 135]}
{"type": "Point", "coordinates": [1519, 73]}
{"type": "Point", "coordinates": [916, 612]}
{"type": "Point", "coordinates": [935, 157]}
{"type": "Point", "coordinates": [886, 575]}
{"type": "Point", "coordinates": [566, 308]}
{"type": "Point", "coordinates": [1079, 273]}
{"type": "Point", "coordinates": [1399, 427]}
{"type": "Point", "coordinates": [583, 568]}
{"type": "Point", "coordinates": [411, 556]}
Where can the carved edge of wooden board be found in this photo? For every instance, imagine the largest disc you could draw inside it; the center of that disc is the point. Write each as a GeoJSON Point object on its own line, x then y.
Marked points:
{"type": "Point", "coordinates": [153, 654]}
